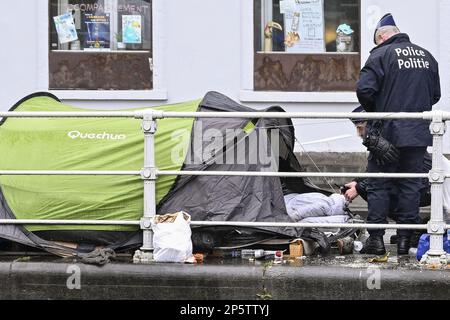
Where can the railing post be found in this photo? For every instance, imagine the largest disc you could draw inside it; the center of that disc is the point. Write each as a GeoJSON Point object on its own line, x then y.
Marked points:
{"type": "Point", "coordinates": [436, 227]}
{"type": "Point", "coordinates": [148, 175]}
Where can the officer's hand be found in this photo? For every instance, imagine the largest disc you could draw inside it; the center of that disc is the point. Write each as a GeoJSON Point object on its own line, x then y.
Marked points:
{"type": "Point", "coordinates": [351, 193]}
{"type": "Point", "coordinates": [383, 150]}
{"type": "Point", "coordinates": [380, 162]}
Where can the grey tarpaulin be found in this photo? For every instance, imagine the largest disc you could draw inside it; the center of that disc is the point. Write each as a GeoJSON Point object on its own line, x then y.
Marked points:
{"type": "Point", "coordinates": [19, 234]}
{"type": "Point", "coordinates": [239, 198]}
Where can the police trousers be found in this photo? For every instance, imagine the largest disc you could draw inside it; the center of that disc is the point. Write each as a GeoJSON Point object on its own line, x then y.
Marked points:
{"type": "Point", "coordinates": [379, 190]}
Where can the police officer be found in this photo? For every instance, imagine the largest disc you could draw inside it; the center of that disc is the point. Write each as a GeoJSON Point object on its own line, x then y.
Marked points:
{"type": "Point", "coordinates": [399, 76]}
{"type": "Point", "coordinates": [358, 187]}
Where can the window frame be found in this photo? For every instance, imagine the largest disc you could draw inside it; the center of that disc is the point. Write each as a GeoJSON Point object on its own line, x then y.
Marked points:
{"type": "Point", "coordinates": [248, 93]}
{"type": "Point", "coordinates": [159, 91]}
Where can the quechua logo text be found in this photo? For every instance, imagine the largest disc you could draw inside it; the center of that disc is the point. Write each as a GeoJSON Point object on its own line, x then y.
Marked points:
{"type": "Point", "coordinates": [75, 134]}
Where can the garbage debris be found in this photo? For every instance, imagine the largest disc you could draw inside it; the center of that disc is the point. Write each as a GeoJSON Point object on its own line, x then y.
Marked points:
{"type": "Point", "coordinates": [100, 256]}
{"type": "Point", "coordinates": [308, 247]}
{"type": "Point", "coordinates": [218, 253]}
{"type": "Point", "coordinates": [412, 252]}
{"type": "Point", "coordinates": [296, 248]}
{"type": "Point", "coordinates": [250, 254]}
{"type": "Point", "coordinates": [172, 238]}
{"type": "Point", "coordinates": [381, 259]}
{"type": "Point", "coordinates": [357, 246]}
{"type": "Point", "coordinates": [259, 254]}
{"type": "Point", "coordinates": [275, 255]}
{"type": "Point", "coordinates": [345, 245]}
{"type": "Point", "coordinates": [278, 257]}
{"type": "Point", "coordinates": [199, 257]}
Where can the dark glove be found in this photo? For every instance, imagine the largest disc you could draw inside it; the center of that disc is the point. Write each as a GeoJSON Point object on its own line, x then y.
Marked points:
{"type": "Point", "coordinates": [384, 151]}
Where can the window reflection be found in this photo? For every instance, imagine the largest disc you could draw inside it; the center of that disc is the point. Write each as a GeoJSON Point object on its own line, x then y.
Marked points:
{"type": "Point", "coordinates": [307, 26]}
{"type": "Point", "coordinates": [306, 45]}
{"type": "Point", "coordinates": [100, 45]}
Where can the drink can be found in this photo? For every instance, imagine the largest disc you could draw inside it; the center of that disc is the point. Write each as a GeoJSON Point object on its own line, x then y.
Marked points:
{"type": "Point", "coordinates": [357, 246]}
{"type": "Point", "coordinates": [278, 257]}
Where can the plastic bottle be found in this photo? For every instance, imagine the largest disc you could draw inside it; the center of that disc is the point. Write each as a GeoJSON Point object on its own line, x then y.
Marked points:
{"type": "Point", "coordinates": [259, 254]}
{"type": "Point", "coordinates": [248, 254]}
{"type": "Point", "coordinates": [232, 254]}
{"type": "Point", "coordinates": [252, 254]}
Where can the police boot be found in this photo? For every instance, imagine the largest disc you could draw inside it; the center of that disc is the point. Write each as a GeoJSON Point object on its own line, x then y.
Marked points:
{"type": "Point", "coordinates": [403, 245]}
{"type": "Point", "coordinates": [415, 237]}
{"type": "Point", "coordinates": [393, 239]}
{"type": "Point", "coordinates": [374, 245]}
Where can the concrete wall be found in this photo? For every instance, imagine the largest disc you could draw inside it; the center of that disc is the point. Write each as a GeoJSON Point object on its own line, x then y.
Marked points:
{"type": "Point", "coordinates": [201, 48]}
{"type": "Point", "coordinates": [18, 56]}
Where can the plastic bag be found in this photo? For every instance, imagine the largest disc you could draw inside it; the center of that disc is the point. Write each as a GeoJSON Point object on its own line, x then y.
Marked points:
{"type": "Point", "coordinates": [172, 238]}
{"type": "Point", "coordinates": [424, 245]}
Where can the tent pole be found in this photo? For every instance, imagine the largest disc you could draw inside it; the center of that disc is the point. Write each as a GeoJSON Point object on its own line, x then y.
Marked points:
{"type": "Point", "coordinates": [148, 174]}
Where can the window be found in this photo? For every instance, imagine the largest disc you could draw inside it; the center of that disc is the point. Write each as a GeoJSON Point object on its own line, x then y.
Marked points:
{"type": "Point", "coordinates": [306, 45]}
{"type": "Point", "coordinates": [100, 45]}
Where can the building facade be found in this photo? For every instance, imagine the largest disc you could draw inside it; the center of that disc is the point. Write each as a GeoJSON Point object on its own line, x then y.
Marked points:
{"type": "Point", "coordinates": [304, 55]}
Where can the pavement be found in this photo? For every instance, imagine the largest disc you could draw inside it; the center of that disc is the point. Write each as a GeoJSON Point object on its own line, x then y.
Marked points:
{"type": "Point", "coordinates": [32, 275]}
{"type": "Point", "coordinates": [336, 277]}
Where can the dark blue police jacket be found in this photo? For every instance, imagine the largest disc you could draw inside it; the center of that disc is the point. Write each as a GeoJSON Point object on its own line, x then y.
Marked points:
{"type": "Point", "coordinates": [400, 77]}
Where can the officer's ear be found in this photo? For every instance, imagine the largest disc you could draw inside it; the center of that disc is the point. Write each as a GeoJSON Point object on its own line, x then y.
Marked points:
{"type": "Point", "coordinates": [379, 39]}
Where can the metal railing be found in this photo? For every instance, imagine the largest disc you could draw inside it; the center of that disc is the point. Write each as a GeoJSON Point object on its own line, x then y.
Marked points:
{"type": "Point", "coordinates": [149, 173]}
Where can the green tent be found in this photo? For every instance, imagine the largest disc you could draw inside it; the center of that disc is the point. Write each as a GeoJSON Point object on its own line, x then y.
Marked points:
{"type": "Point", "coordinates": [101, 144]}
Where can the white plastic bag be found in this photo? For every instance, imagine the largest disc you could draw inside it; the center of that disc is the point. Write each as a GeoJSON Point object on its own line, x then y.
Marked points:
{"type": "Point", "coordinates": [172, 238]}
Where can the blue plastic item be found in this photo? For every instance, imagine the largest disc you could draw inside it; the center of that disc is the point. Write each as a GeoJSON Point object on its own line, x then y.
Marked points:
{"type": "Point", "coordinates": [424, 245]}
{"type": "Point", "coordinates": [345, 28]}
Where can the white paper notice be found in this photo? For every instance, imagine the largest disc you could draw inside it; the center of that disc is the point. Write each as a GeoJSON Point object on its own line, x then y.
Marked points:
{"type": "Point", "coordinates": [305, 27]}
{"type": "Point", "coordinates": [287, 6]}
{"type": "Point", "coordinates": [65, 27]}
{"type": "Point", "coordinates": [132, 28]}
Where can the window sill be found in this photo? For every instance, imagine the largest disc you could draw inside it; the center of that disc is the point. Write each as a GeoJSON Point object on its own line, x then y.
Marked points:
{"type": "Point", "coordinates": [305, 97]}
{"type": "Point", "coordinates": [111, 94]}
{"type": "Point", "coordinates": [354, 53]}
{"type": "Point", "coordinates": [101, 51]}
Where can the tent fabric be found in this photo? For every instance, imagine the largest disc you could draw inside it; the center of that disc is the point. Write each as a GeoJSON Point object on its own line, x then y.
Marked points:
{"type": "Point", "coordinates": [117, 144]}
{"type": "Point", "coordinates": [20, 235]}
{"type": "Point", "coordinates": [236, 198]}
{"type": "Point", "coordinates": [65, 144]}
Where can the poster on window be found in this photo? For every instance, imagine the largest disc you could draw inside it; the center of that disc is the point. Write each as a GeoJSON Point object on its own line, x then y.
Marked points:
{"type": "Point", "coordinates": [304, 26]}
{"type": "Point", "coordinates": [132, 29]}
{"type": "Point", "coordinates": [65, 27]}
{"type": "Point", "coordinates": [97, 31]}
